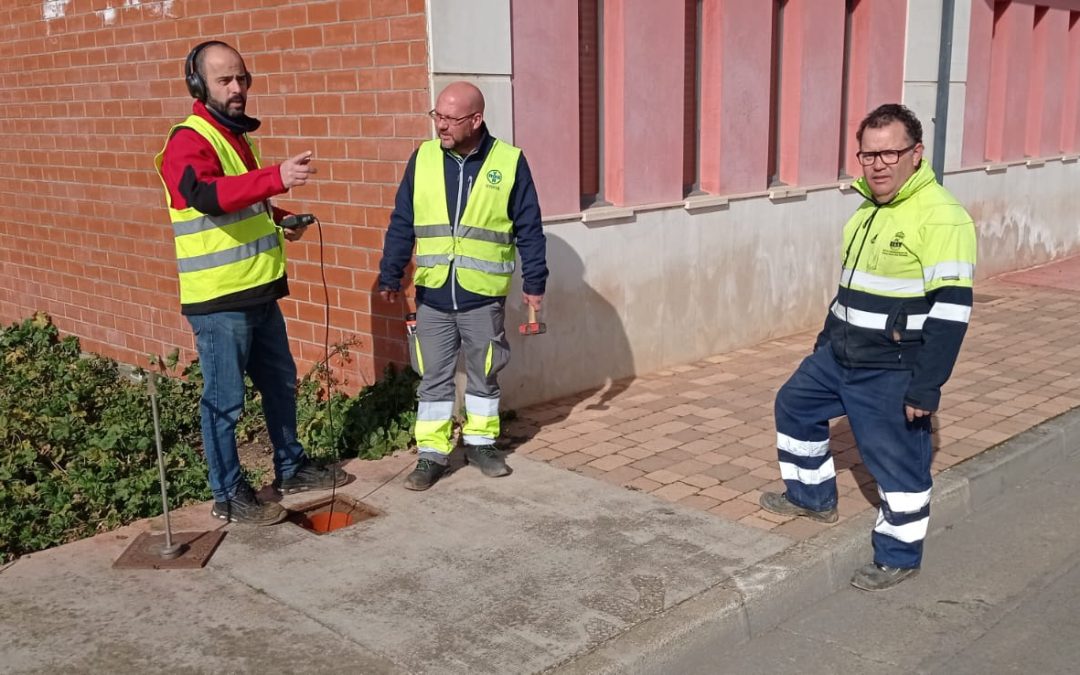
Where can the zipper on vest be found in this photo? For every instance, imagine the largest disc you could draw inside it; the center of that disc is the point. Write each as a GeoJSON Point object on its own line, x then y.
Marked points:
{"type": "Point", "coordinates": [854, 266]}
{"type": "Point", "coordinates": [457, 221]}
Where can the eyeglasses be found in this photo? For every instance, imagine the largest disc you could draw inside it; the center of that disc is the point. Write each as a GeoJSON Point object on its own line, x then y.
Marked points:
{"type": "Point", "coordinates": [888, 157]}
{"type": "Point", "coordinates": [439, 117]}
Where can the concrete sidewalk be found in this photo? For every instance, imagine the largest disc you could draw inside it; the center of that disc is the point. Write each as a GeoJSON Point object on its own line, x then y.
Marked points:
{"type": "Point", "coordinates": [648, 555]}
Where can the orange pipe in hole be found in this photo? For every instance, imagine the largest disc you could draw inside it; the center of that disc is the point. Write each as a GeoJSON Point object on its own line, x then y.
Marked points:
{"type": "Point", "coordinates": [327, 521]}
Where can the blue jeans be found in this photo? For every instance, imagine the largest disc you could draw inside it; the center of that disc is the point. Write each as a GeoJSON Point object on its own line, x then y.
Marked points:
{"type": "Point", "coordinates": [896, 452]}
{"type": "Point", "coordinates": [230, 344]}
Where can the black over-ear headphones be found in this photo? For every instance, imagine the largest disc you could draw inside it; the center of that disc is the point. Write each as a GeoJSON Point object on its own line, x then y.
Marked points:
{"type": "Point", "coordinates": [196, 85]}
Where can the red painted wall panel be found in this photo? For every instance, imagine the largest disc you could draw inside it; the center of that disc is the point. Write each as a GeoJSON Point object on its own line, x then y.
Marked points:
{"type": "Point", "coordinates": [1010, 69]}
{"type": "Point", "coordinates": [977, 96]}
{"type": "Point", "coordinates": [1047, 82]}
{"type": "Point", "coordinates": [643, 102]}
{"type": "Point", "coordinates": [1070, 118]}
{"type": "Point", "coordinates": [546, 123]}
{"type": "Point", "coordinates": [810, 90]}
{"type": "Point", "coordinates": [735, 72]}
{"type": "Point", "coordinates": [876, 66]}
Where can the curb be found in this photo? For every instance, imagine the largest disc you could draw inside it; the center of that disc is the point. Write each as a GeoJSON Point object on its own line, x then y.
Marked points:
{"type": "Point", "coordinates": [692, 636]}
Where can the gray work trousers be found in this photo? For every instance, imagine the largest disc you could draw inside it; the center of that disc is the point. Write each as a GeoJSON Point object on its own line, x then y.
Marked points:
{"type": "Point", "coordinates": [434, 349]}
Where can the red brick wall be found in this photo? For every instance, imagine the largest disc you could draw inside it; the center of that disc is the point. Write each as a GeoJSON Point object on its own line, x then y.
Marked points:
{"type": "Point", "coordinates": [88, 96]}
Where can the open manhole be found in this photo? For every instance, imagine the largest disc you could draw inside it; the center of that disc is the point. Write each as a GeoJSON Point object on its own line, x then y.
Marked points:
{"type": "Point", "coordinates": [330, 515]}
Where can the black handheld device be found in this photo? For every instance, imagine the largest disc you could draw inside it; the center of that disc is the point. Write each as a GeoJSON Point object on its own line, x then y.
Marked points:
{"type": "Point", "coordinates": [298, 220]}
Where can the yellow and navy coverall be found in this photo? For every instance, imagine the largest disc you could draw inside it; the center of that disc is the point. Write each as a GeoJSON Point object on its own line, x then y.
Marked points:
{"type": "Point", "coordinates": [890, 340]}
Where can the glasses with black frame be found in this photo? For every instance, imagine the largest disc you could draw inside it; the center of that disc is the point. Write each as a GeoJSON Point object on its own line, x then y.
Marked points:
{"type": "Point", "coordinates": [888, 157]}
{"type": "Point", "coordinates": [439, 117]}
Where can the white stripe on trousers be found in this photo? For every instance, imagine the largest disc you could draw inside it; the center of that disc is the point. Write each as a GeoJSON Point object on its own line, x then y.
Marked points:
{"type": "Point", "coordinates": [789, 471]}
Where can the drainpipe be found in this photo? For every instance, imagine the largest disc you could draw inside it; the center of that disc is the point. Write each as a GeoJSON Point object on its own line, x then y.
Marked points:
{"type": "Point", "coordinates": [941, 112]}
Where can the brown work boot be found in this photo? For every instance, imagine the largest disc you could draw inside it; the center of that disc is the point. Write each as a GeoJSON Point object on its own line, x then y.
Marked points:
{"type": "Point", "coordinates": [778, 503]}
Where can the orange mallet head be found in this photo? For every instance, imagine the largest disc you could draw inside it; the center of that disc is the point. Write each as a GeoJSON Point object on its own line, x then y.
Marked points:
{"type": "Point", "coordinates": [532, 326]}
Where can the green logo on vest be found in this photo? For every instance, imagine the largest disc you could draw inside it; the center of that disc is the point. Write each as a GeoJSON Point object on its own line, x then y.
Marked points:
{"type": "Point", "coordinates": [896, 246]}
{"type": "Point", "coordinates": [494, 176]}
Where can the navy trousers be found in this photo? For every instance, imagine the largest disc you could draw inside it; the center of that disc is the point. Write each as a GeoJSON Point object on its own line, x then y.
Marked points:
{"type": "Point", "coordinates": [896, 452]}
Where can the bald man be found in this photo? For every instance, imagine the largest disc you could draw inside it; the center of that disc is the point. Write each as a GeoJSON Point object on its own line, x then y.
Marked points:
{"type": "Point", "coordinates": [230, 250]}
{"type": "Point", "coordinates": [468, 203]}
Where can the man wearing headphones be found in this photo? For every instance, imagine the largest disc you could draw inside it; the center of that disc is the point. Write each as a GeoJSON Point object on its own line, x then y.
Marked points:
{"type": "Point", "coordinates": [231, 262]}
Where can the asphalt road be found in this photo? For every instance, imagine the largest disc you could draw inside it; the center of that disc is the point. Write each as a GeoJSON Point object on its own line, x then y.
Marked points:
{"type": "Point", "coordinates": [999, 593]}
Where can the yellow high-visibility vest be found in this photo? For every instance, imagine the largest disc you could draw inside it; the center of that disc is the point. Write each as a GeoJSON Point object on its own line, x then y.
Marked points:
{"type": "Point", "coordinates": [220, 255]}
{"type": "Point", "coordinates": [482, 247]}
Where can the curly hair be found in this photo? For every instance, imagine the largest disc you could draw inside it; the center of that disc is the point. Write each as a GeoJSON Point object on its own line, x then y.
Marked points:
{"type": "Point", "coordinates": [888, 113]}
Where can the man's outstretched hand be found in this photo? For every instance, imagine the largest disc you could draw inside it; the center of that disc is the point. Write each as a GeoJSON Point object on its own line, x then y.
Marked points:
{"type": "Point", "coordinates": [297, 171]}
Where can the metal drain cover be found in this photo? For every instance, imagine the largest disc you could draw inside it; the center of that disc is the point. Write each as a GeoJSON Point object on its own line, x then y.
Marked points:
{"type": "Point", "coordinates": [143, 553]}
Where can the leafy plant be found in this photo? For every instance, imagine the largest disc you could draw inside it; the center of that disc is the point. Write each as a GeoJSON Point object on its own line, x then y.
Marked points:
{"type": "Point", "coordinates": [77, 451]}
{"type": "Point", "coordinates": [374, 423]}
{"type": "Point", "coordinates": [77, 437]}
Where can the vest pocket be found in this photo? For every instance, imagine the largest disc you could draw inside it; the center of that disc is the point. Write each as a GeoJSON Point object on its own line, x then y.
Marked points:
{"type": "Point", "coordinates": [875, 256]}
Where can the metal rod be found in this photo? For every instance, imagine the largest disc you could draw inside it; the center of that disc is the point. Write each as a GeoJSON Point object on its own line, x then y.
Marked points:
{"type": "Point", "coordinates": [941, 112]}
{"type": "Point", "coordinates": [169, 550]}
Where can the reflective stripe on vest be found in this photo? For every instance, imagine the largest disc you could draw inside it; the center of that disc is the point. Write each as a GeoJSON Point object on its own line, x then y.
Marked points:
{"type": "Point", "coordinates": [220, 255]}
{"type": "Point", "coordinates": [482, 250]}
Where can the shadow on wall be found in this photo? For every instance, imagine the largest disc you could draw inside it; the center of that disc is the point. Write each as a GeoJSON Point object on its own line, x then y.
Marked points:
{"type": "Point", "coordinates": [583, 358]}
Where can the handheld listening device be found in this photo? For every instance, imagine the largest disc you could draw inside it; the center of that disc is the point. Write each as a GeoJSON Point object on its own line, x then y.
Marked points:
{"type": "Point", "coordinates": [296, 221]}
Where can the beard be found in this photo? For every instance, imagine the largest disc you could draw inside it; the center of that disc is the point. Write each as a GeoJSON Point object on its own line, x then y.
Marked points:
{"type": "Point", "coordinates": [226, 108]}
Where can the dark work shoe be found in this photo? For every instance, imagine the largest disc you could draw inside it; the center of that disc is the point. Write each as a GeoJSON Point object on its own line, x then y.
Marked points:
{"type": "Point", "coordinates": [489, 460]}
{"type": "Point", "coordinates": [426, 473]}
{"type": "Point", "coordinates": [311, 476]}
{"type": "Point", "coordinates": [244, 507]}
{"type": "Point", "coordinates": [777, 502]}
{"type": "Point", "coordinates": [876, 577]}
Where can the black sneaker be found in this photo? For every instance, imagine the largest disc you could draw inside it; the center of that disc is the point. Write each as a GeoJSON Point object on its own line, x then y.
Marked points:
{"type": "Point", "coordinates": [489, 460]}
{"type": "Point", "coordinates": [311, 476]}
{"type": "Point", "coordinates": [875, 577]}
{"type": "Point", "coordinates": [426, 473]}
{"type": "Point", "coordinates": [244, 507]}
{"type": "Point", "coordinates": [778, 503]}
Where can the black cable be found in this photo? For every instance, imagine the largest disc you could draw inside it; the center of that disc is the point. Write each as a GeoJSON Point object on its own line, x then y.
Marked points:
{"type": "Point", "coordinates": [326, 365]}
{"type": "Point", "coordinates": [292, 222]}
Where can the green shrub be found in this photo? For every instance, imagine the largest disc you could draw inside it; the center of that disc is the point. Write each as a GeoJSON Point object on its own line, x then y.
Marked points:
{"type": "Point", "coordinates": [77, 451]}
{"type": "Point", "coordinates": [77, 443]}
